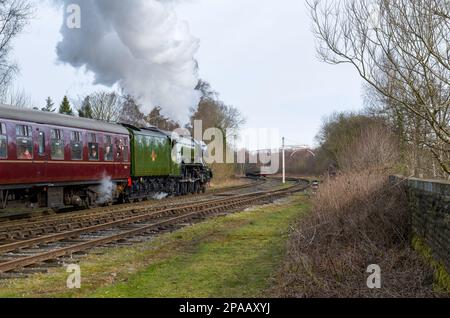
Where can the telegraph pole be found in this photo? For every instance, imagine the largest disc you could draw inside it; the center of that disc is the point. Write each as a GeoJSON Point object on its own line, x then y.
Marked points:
{"type": "Point", "coordinates": [284, 162]}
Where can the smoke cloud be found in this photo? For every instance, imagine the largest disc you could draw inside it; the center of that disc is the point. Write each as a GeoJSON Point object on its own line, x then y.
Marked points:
{"type": "Point", "coordinates": [140, 45]}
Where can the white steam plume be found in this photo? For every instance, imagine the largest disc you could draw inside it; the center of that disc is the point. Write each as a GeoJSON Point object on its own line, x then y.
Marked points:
{"type": "Point", "coordinates": [105, 190]}
{"type": "Point", "coordinates": [141, 45]}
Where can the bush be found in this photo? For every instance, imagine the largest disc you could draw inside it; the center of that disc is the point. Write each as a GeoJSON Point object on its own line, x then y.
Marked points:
{"type": "Point", "coordinates": [358, 219]}
{"type": "Point", "coordinates": [375, 149]}
{"type": "Point", "coordinates": [223, 174]}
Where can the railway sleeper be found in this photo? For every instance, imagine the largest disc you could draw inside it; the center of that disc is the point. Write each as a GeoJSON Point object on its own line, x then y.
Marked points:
{"type": "Point", "coordinates": [48, 265]}
{"type": "Point", "coordinates": [34, 270]}
{"type": "Point", "coordinates": [12, 275]}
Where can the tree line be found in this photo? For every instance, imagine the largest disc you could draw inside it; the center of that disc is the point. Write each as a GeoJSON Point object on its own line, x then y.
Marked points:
{"type": "Point", "coordinates": [124, 108]}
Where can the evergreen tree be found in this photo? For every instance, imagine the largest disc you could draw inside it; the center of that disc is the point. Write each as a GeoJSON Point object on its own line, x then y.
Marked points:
{"type": "Point", "coordinates": [49, 106]}
{"type": "Point", "coordinates": [86, 108]}
{"type": "Point", "coordinates": [65, 107]}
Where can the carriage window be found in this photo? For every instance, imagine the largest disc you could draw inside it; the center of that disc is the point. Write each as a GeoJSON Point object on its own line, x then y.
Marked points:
{"type": "Point", "coordinates": [119, 148]}
{"type": "Point", "coordinates": [57, 144]}
{"type": "Point", "coordinates": [3, 142]}
{"type": "Point", "coordinates": [76, 145]}
{"type": "Point", "coordinates": [3, 147]}
{"type": "Point", "coordinates": [92, 137]}
{"type": "Point", "coordinates": [24, 142]}
{"type": "Point", "coordinates": [41, 143]}
{"type": "Point", "coordinates": [93, 147]}
{"type": "Point", "coordinates": [109, 156]}
{"type": "Point", "coordinates": [24, 131]}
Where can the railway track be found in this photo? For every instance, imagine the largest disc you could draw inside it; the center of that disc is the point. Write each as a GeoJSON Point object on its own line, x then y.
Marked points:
{"type": "Point", "coordinates": [28, 228]}
{"type": "Point", "coordinates": [32, 245]}
{"type": "Point", "coordinates": [19, 230]}
{"type": "Point", "coordinates": [28, 216]}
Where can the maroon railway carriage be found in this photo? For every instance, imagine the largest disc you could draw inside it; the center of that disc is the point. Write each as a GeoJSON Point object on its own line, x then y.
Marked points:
{"type": "Point", "coordinates": [53, 160]}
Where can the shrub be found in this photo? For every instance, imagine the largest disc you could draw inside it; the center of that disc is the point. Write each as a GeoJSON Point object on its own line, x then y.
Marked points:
{"type": "Point", "coordinates": [357, 219]}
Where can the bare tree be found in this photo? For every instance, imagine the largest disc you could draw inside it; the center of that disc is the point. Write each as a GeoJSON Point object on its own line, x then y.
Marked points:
{"type": "Point", "coordinates": [375, 149]}
{"type": "Point", "coordinates": [106, 106]}
{"type": "Point", "coordinates": [157, 119]}
{"type": "Point", "coordinates": [400, 48]}
{"type": "Point", "coordinates": [412, 131]}
{"type": "Point", "coordinates": [214, 113]}
{"type": "Point", "coordinates": [14, 15]}
{"type": "Point", "coordinates": [131, 112]}
{"type": "Point", "coordinates": [15, 97]}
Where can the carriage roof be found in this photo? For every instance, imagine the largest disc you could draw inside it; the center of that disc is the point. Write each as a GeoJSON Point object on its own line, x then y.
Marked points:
{"type": "Point", "coordinates": [48, 118]}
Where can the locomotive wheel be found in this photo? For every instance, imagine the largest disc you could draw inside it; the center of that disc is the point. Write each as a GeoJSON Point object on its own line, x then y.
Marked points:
{"type": "Point", "coordinates": [196, 187]}
{"type": "Point", "coordinates": [181, 189]}
{"type": "Point", "coordinates": [125, 199]}
{"type": "Point", "coordinates": [91, 204]}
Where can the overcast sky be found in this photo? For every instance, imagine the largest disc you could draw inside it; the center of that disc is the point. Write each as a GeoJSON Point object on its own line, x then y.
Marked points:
{"type": "Point", "coordinates": [258, 54]}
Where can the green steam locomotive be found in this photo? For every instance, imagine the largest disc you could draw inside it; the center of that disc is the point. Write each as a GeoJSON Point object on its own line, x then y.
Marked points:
{"type": "Point", "coordinates": [165, 162]}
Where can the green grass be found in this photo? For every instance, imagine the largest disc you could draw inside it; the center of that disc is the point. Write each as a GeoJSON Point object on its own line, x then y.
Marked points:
{"type": "Point", "coordinates": [232, 256]}
{"type": "Point", "coordinates": [441, 276]}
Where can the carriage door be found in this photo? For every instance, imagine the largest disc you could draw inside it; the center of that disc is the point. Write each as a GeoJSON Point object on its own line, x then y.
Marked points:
{"type": "Point", "coordinates": [119, 149]}
{"type": "Point", "coordinates": [42, 154]}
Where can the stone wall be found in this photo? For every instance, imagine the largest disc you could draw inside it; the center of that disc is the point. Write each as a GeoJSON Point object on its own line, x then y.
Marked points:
{"type": "Point", "coordinates": [430, 215]}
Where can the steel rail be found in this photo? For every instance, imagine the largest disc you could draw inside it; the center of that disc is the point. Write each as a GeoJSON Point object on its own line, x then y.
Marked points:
{"type": "Point", "coordinates": [145, 215]}
{"type": "Point", "coordinates": [187, 212]}
{"type": "Point", "coordinates": [9, 225]}
{"type": "Point", "coordinates": [29, 230]}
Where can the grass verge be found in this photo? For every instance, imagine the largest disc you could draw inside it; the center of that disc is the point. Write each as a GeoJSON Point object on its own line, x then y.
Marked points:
{"type": "Point", "coordinates": [232, 256]}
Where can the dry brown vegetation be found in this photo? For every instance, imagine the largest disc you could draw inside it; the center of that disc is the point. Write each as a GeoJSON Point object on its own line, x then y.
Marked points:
{"type": "Point", "coordinates": [357, 220]}
{"type": "Point", "coordinates": [224, 175]}
{"type": "Point", "coordinates": [375, 149]}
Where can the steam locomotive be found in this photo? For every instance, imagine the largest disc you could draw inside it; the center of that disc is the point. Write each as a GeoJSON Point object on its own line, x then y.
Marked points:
{"type": "Point", "coordinates": [57, 161]}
